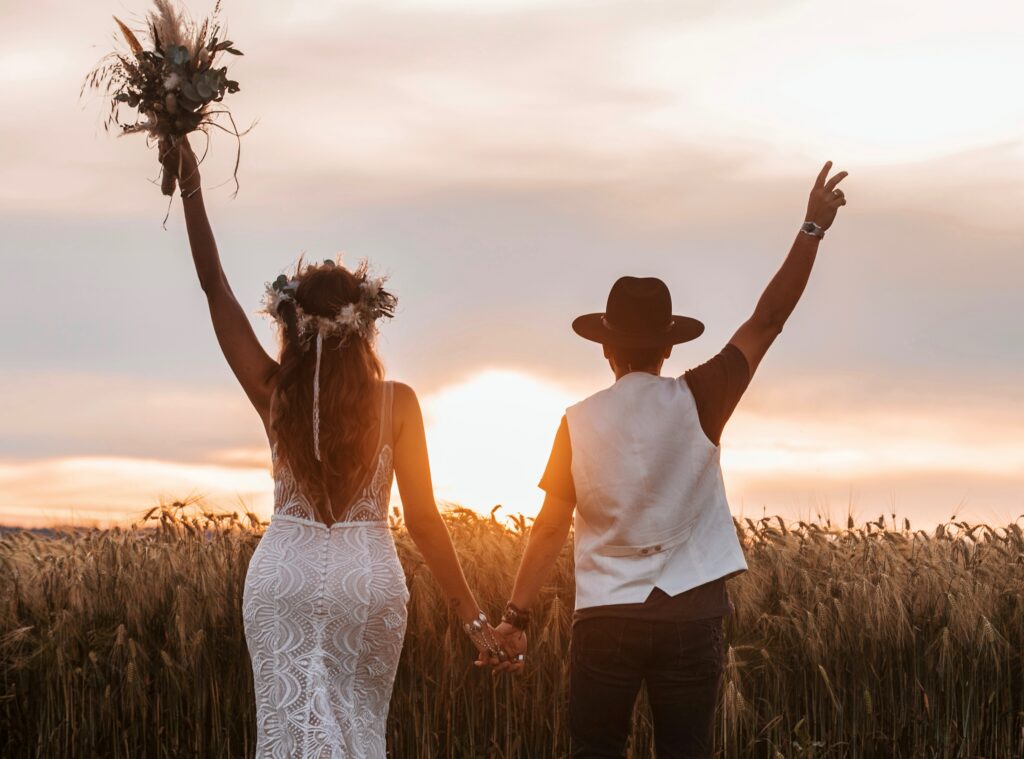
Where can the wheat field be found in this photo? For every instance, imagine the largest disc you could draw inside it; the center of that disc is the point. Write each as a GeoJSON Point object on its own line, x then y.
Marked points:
{"type": "Point", "coordinates": [875, 641]}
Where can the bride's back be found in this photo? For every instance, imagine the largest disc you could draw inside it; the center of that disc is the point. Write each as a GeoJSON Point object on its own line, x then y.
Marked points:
{"type": "Point", "coordinates": [370, 497]}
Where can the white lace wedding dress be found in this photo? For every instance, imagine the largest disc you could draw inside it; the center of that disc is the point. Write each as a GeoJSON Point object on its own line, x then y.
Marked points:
{"type": "Point", "coordinates": [325, 612]}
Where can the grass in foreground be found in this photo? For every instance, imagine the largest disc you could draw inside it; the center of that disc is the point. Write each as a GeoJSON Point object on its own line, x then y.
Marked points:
{"type": "Point", "coordinates": [863, 642]}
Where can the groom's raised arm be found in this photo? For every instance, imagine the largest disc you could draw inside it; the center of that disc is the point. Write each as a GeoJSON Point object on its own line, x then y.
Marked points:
{"type": "Point", "coordinates": [782, 294]}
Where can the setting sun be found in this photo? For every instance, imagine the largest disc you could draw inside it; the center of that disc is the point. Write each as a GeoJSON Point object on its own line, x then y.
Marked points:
{"type": "Point", "coordinates": [489, 439]}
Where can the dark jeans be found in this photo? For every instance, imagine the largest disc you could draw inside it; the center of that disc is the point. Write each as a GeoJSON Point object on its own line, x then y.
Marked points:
{"type": "Point", "coordinates": [681, 663]}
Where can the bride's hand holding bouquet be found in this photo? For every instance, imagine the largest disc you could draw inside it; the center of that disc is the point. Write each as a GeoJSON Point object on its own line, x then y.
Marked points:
{"type": "Point", "coordinates": [180, 160]}
{"type": "Point", "coordinates": [174, 80]}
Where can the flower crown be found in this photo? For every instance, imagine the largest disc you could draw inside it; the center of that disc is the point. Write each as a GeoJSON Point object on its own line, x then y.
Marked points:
{"type": "Point", "coordinates": [358, 318]}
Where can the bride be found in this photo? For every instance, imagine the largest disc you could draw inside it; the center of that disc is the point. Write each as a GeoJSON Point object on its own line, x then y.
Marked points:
{"type": "Point", "coordinates": [325, 596]}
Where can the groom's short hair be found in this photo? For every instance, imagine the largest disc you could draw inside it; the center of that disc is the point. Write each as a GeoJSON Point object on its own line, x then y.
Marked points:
{"type": "Point", "coordinates": [637, 358]}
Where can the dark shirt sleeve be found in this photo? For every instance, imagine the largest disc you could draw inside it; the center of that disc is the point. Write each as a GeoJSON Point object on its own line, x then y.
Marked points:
{"type": "Point", "coordinates": [557, 479]}
{"type": "Point", "coordinates": [717, 386]}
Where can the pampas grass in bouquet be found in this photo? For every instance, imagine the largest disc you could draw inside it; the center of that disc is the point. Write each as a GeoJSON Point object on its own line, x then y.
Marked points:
{"type": "Point", "coordinates": [173, 80]}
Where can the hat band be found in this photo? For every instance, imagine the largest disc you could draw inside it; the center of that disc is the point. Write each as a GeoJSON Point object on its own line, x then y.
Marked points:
{"type": "Point", "coordinates": [634, 333]}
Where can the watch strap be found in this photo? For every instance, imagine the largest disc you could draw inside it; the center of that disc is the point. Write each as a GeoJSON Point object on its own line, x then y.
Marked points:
{"type": "Point", "coordinates": [812, 229]}
{"type": "Point", "coordinates": [518, 618]}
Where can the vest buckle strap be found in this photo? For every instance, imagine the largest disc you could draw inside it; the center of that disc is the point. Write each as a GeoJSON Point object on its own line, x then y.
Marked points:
{"type": "Point", "coordinates": [680, 536]}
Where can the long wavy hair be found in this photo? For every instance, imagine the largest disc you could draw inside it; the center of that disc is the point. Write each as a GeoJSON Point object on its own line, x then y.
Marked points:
{"type": "Point", "coordinates": [351, 376]}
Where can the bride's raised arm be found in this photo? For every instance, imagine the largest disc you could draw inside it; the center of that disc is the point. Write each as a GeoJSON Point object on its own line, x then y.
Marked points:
{"type": "Point", "coordinates": [251, 365]}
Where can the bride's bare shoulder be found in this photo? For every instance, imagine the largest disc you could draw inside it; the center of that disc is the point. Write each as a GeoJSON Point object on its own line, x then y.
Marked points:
{"type": "Point", "coordinates": [406, 403]}
{"type": "Point", "coordinates": [405, 412]}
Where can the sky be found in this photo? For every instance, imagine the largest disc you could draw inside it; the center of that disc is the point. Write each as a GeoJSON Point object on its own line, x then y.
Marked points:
{"type": "Point", "coordinates": [504, 161]}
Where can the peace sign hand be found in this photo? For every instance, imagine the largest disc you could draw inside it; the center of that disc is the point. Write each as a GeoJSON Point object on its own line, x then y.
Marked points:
{"type": "Point", "coordinates": [826, 199]}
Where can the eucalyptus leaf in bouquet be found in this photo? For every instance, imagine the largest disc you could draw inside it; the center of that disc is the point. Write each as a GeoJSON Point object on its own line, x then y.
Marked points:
{"type": "Point", "coordinates": [172, 79]}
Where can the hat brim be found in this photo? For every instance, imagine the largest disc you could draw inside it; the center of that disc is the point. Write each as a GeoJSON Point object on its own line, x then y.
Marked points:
{"type": "Point", "coordinates": [593, 327]}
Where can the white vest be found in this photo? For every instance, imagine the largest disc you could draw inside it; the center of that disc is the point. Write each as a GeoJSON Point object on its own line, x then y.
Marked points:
{"type": "Point", "coordinates": [650, 501]}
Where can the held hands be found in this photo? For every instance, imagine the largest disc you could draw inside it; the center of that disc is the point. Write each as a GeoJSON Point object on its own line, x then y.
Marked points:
{"type": "Point", "coordinates": [490, 650]}
{"type": "Point", "coordinates": [825, 199]}
{"type": "Point", "coordinates": [509, 653]}
{"type": "Point", "coordinates": [513, 641]}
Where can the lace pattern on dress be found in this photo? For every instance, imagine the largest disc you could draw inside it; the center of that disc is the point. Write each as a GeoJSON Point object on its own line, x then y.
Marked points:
{"type": "Point", "coordinates": [324, 609]}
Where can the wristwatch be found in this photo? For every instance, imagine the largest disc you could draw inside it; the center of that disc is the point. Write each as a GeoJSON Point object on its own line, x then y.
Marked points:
{"type": "Point", "coordinates": [812, 229]}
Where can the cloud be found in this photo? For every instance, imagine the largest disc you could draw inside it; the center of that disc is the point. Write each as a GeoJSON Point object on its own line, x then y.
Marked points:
{"type": "Point", "coordinates": [373, 102]}
{"type": "Point", "coordinates": [60, 414]}
{"type": "Point", "coordinates": [925, 499]}
{"type": "Point", "coordinates": [793, 449]}
{"type": "Point", "coordinates": [506, 161]}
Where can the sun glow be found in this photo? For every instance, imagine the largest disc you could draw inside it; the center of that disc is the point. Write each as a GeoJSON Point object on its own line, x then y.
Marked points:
{"type": "Point", "coordinates": [489, 435]}
{"type": "Point", "coordinates": [489, 438]}
{"type": "Point", "coordinates": [105, 490]}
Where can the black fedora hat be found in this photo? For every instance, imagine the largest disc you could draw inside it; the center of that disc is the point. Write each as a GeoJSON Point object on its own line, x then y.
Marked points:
{"type": "Point", "coordinates": [639, 315]}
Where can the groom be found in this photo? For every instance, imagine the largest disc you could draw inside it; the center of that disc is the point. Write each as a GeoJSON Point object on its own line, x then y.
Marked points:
{"type": "Point", "coordinates": [654, 537]}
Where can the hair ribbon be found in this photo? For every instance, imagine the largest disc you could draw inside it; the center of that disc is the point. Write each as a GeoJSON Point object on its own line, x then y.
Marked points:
{"type": "Point", "coordinates": [316, 395]}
